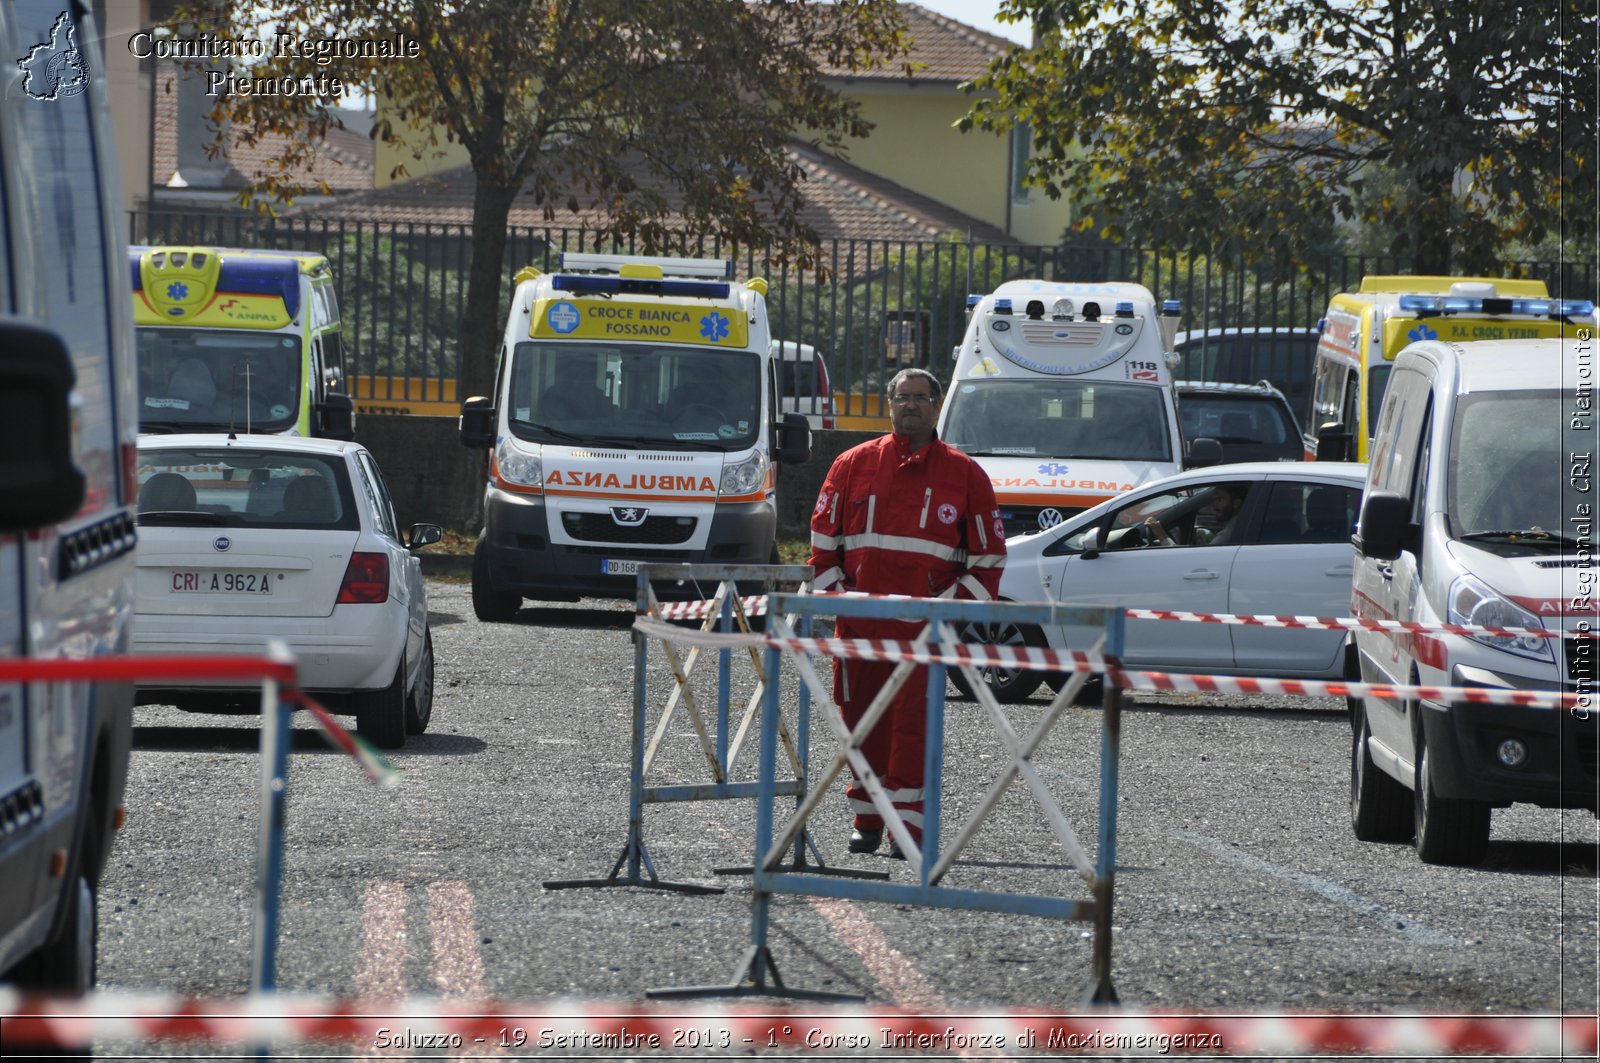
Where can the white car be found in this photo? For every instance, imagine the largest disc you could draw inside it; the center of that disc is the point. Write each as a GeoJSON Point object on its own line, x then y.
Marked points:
{"type": "Point", "coordinates": [1286, 552]}
{"type": "Point", "coordinates": [247, 539]}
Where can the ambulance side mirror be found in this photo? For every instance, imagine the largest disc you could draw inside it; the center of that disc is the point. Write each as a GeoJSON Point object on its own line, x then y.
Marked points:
{"type": "Point", "coordinates": [1333, 442]}
{"type": "Point", "coordinates": [336, 416]}
{"type": "Point", "coordinates": [1203, 453]}
{"type": "Point", "coordinates": [791, 440]}
{"type": "Point", "coordinates": [477, 422]}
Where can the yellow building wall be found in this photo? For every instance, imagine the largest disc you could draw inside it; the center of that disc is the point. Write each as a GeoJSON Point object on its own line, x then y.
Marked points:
{"type": "Point", "coordinates": [915, 143]}
{"type": "Point", "coordinates": [447, 155]}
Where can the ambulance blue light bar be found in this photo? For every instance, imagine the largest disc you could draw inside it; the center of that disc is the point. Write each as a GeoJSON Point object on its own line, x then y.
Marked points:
{"type": "Point", "coordinates": [973, 299]}
{"type": "Point", "coordinates": [1002, 306]}
{"type": "Point", "coordinates": [242, 273]}
{"type": "Point", "coordinates": [1172, 306]}
{"type": "Point", "coordinates": [596, 283]}
{"type": "Point", "coordinates": [1463, 304]}
{"type": "Point", "coordinates": [1124, 309]}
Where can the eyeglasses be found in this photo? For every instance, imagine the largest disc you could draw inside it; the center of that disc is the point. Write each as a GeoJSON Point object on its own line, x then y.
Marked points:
{"type": "Point", "coordinates": [911, 400]}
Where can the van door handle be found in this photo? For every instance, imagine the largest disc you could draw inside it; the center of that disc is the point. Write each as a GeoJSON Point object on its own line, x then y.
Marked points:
{"type": "Point", "coordinates": [1200, 575]}
{"type": "Point", "coordinates": [1386, 571]}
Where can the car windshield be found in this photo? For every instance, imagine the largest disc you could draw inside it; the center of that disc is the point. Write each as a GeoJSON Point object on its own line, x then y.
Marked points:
{"type": "Point", "coordinates": [660, 397]}
{"type": "Point", "coordinates": [1508, 469]}
{"type": "Point", "coordinates": [244, 487]}
{"type": "Point", "coordinates": [1250, 427]}
{"type": "Point", "coordinates": [217, 379]}
{"type": "Point", "coordinates": [1059, 419]}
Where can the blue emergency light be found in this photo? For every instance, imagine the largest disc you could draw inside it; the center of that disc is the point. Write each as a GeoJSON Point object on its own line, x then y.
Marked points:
{"type": "Point", "coordinates": [1124, 309]}
{"type": "Point", "coordinates": [1172, 307]}
{"type": "Point", "coordinates": [596, 283]}
{"type": "Point", "coordinates": [973, 299]}
{"type": "Point", "coordinates": [244, 273]}
{"type": "Point", "coordinates": [1464, 304]}
{"type": "Point", "coordinates": [1002, 306]}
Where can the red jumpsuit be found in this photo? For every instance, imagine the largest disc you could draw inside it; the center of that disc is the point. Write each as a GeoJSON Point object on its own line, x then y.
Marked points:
{"type": "Point", "coordinates": [890, 521]}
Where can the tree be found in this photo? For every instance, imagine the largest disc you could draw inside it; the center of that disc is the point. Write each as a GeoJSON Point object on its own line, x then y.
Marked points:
{"type": "Point", "coordinates": [671, 116]}
{"type": "Point", "coordinates": [1175, 119]}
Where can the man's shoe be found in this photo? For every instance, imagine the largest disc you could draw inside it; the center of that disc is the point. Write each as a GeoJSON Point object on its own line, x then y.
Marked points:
{"type": "Point", "coordinates": [865, 839]}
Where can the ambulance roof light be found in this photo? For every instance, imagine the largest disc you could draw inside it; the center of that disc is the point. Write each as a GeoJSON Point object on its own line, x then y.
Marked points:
{"type": "Point", "coordinates": [973, 299]}
{"type": "Point", "coordinates": [1461, 304]}
{"type": "Point", "coordinates": [598, 283]}
{"type": "Point", "coordinates": [717, 269]}
{"type": "Point", "coordinates": [1124, 309]}
{"type": "Point", "coordinates": [1002, 306]}
{"type": "Point", "coordinates": [1172, 307]}
{"type": "Point", "coordinates": [1062, 310]}
{"type": "Point", "coordinates": [1035, 309]}
{"type": "Point", "coordinates": [1091, 311]}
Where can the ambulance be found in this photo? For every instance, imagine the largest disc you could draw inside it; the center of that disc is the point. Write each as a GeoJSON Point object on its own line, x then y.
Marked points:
{"type": "Point", "coordinates": [636, 418]}
{"type": "Point", "coordinates": [1364, 330]}
{"type": "Point", "coordinates": [242, 341]}
{"type": "Point", "coordinates": [1063, 393]}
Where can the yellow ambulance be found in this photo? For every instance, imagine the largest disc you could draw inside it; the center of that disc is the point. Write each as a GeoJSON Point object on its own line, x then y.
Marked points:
{"type": "Point", "coordinates": [1364, 330]}
{"type": "Point", "coordinates": [241, 341]}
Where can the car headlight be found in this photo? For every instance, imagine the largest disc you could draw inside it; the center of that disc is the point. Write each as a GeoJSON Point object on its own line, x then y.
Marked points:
{"type": "Point", "coordinates": [518, 467]}
{"type": "Point", "coordinates": [1471, 602]}
{"type": "Point", "coordinates": [747, 477]}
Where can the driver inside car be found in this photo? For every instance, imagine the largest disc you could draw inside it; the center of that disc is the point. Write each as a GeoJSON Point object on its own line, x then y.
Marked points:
{"type": "Point", "coordinates": [1212, 524]}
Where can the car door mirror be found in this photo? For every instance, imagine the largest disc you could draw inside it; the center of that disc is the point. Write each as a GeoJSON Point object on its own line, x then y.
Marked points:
{"type": "Point", "coordinates": [1203, 453]}
{"type": "Point", "coordinates": [791, 444]}
{"type": "Point", "coordinates": [477, 422]}
{"type": "Point", "coordinates": [420, 535]}
{"type": "Point", "coordinates": [1385, 525]}
{"type": "Point", "coordinates": [39, 483]}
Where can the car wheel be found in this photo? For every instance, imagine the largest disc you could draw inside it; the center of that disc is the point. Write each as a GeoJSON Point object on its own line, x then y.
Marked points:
{"type": "Point", "coordinates": [419, 703]}
{"type": "Point", "coordinates": [1449, 830]}
{"type": "Point", "coordinates": [381, 714]}
{"type": "Point", "coordinates": [1009, 685]}
{"type": "Point", "coordinates": [1378, 811]}
{"type": "Point", "coordinates": [490, 605]}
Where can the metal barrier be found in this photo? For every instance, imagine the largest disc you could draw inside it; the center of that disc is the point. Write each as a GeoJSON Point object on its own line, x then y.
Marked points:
{"type": "Point", "coordinates": [279, 693]}
{"type": "Point", "coordinates": [722, 739]}
{"type": "Point", "coordinates": [936, 647]}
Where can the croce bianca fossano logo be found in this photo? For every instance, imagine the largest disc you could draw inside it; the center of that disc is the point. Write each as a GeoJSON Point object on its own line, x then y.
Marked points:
{"type": "Point", "coordinates": [55, 69]}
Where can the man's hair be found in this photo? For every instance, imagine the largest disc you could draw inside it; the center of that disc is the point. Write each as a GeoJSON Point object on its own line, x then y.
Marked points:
{"type": "Point", "coordinates": [915, 374]}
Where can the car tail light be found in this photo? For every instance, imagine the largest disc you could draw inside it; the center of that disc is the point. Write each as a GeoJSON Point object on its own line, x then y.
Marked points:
{"type": "Point", "coordinates": [366, 579]}
{"type": "Point", "coordinates": [824, 392]}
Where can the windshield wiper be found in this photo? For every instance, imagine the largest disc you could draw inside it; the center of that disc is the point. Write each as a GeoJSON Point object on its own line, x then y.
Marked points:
{"type": "Point", "coordinates": [1003, 452]}
{"type": "Point", "coordinates": [1530, 536]}
{"type": "Point", "coordinates": [558, 433]}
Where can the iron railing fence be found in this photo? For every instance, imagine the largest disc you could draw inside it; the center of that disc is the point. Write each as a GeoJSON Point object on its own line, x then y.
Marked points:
{"type": "Point", "coordinates": [872, 306]}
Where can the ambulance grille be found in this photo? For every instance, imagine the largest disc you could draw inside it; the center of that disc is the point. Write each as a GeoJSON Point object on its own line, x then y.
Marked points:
{"type": "Point", "coordinates": [600, 528]}
{"type": "Point", "coordinates": [1061, 333]}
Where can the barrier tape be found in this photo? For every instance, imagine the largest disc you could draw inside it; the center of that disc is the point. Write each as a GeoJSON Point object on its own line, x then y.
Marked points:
{"type": "Point", "coordinates": [226, 666]}
{"type": "Point", "coordinates": [756, 605]}
{"type": "Point", "coordinates": [715, 1031]}
{"type": "Point", "coordinates": [1345, 623]}
{"type": "Point", "coordinates": [1034, 658]}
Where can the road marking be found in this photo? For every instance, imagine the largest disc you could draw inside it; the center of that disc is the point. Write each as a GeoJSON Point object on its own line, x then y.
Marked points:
{"type": "Point", "coordinates": [1339, 895]}
{"type": "Point", "coordinates": [457, 960]}
{"type": "Point", "coordinates": [381, 968]}
{"type": "Point", "coordinates": [906, 987]}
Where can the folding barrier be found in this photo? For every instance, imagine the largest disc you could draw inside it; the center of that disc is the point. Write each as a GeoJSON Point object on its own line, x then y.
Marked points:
{"type": "Point", "coordinates": [936, 647]}
{"type": "Point", "coordinates": [279, 693]}
{"type": "Point", "coordinates": [721, 739]}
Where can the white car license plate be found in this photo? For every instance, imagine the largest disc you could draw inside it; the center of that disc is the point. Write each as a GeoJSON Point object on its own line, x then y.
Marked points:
{"type": "Point", "coordinates": [219, 582]}
{"type": "Point", "coordinates": [612, 567]}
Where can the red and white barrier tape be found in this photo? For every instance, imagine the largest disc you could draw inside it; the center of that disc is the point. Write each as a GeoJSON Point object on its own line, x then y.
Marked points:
{"type": "Point", "coordinates": [1036, 659]}
{"type": "Point", "coordinates": [755, 605]}
{"type": "Point", "coordinates": [1345, 623]}
{"type": "Point", "coordinates": [715, 1030]}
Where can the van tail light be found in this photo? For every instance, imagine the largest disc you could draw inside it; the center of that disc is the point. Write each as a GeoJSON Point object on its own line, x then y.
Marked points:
{"type": "Point", "coordinates": [824, 393]}
{"type": "Point", "coordinates": [366, 579]}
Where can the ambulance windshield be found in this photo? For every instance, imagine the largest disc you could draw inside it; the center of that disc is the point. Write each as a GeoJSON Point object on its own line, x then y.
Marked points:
{"type": "Point", "coordinates": [661, 397]}
{"type": "Point", "coordinates": [198, 380]}
{"type": "Point", "coordinates": [1058, 418]}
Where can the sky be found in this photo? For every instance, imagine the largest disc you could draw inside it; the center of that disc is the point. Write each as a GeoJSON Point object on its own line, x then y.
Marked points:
{"type": "Point", "coordinates": [979, 13]}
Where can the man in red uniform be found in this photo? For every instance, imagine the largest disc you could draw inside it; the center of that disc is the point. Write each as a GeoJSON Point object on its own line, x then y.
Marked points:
{"type": "Point", "coordinates": [904, 514]}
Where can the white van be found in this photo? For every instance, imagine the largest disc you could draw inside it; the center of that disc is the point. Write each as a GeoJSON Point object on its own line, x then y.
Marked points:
{"type": "Point", "coordinates": [1063, 393]}
{"type": "Point", "coordinates": [68, 403]}
{"type": "Point", "coordinates": [803, 382]}
{"type": "Point", "coordinates": [635, 419]}
{"type": "Point", "coordinates": [1479, 510]}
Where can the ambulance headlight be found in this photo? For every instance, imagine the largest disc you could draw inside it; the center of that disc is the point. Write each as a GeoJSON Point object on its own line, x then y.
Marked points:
{"type": "Point", "coordinates": [747, 477]}
{"type": "Point", "coordinates": [1471, 602]}
{"type": "Point", "coordinates": [518, 467]}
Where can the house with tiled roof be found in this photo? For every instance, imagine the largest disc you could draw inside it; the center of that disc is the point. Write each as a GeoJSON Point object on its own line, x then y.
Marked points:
{"type": "Point", "coordinates": [915, 177]}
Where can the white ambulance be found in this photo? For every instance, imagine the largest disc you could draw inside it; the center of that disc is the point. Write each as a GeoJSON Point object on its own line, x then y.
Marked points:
{"type": "Point", "coordinates": [1063, 393]}
{"type": "Point", "coordinates": [636, 419]}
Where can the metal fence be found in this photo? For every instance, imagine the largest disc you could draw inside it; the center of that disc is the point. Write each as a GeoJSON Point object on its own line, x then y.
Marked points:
{"type": "Point", "coordinates": [872, 306]}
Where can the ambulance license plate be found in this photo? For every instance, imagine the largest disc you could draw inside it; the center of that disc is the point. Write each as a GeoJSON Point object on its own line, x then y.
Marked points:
{"type": "Point", "coordinates": [612, 567]}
